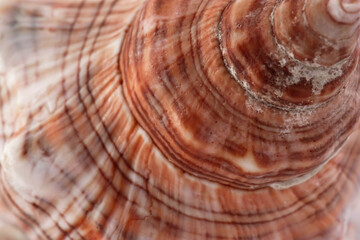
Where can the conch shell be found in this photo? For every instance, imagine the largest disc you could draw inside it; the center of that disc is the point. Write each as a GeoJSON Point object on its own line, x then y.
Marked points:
{"type": "Point", "coordinates": [179, 119]}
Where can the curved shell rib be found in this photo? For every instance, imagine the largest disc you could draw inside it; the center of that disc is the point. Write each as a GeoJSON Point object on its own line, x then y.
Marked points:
{"type": "Point", "coordinates": [78, 160]}
{"type": "Point", "coordinates": [59, 67]}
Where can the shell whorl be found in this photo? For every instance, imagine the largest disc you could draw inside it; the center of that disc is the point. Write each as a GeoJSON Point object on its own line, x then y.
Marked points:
{"type": "Point", "coordinates": [204, 84]}
{"type": "Point", "coordinates": [292, 53]}
{"type": "Point", "coordinates": [133, 119]}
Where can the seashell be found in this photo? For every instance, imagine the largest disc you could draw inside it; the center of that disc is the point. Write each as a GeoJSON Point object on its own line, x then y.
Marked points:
{"type": "Point", "coordinates": [179, 119]}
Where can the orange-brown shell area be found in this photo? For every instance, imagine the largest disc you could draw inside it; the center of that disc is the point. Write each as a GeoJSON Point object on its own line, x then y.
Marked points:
{"type": "Point", "coordinates": [264, 42]}
{"type": "Point", "coordinates": [183, 94]}
{"type": "Point", "coordinates": [119, 119]}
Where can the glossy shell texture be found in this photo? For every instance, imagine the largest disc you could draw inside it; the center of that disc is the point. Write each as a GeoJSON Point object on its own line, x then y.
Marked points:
{"type": "Point", "coordinates": [179, 119]}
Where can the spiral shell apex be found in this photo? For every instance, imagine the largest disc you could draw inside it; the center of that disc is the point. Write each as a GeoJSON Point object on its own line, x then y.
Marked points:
{"type": "Point", "coordinates": [204, 85]}
{"type": "Point", "coordinates": [179, 119]}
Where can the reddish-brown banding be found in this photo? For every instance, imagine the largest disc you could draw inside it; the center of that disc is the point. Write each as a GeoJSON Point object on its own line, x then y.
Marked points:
{"type": "Point", "coordinates": [214, 126]}
{"type": "Point", "coordinates": [125, 120]}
